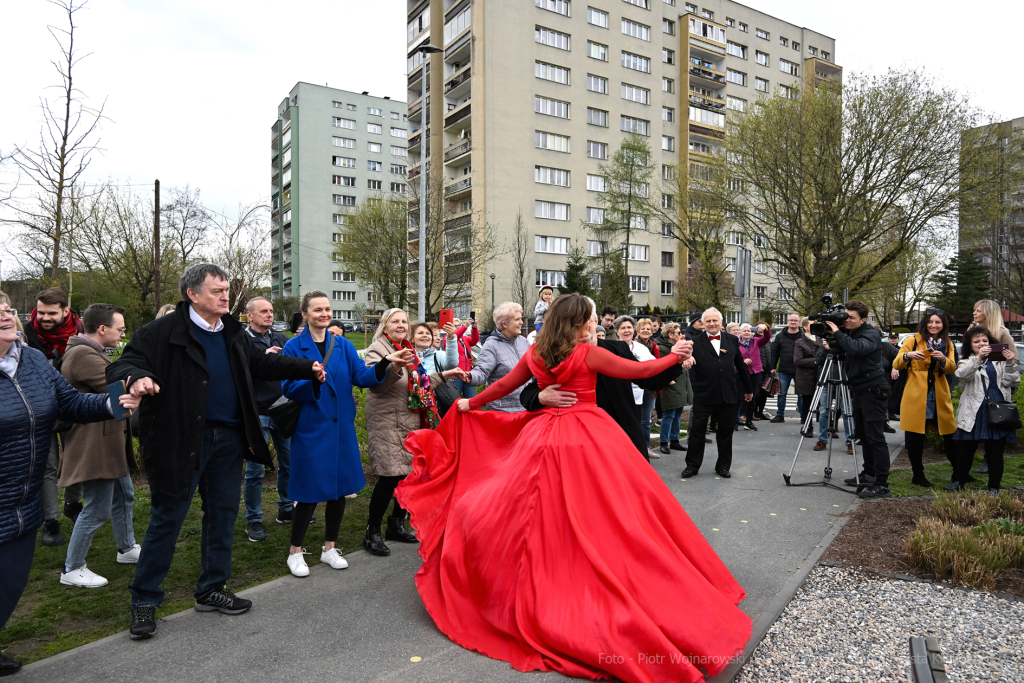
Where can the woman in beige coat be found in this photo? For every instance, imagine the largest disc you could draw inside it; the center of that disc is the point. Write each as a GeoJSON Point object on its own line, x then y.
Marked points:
{"type": "Point", "coordinates": [393, 409]}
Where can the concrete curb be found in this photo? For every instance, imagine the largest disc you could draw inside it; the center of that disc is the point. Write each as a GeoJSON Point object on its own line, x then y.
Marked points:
{"type": "Point", "coordinates": [784, 597]}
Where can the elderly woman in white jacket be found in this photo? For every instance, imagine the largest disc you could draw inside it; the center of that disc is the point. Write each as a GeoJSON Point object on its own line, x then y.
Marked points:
{"type": "Point", "coordinates": [982, 379]}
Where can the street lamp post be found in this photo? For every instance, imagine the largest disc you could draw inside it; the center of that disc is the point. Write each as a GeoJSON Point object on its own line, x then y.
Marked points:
{"type": "Point", "coordinates": [424, 136]}
{"type": "Point", "coordinates": [492, 292]}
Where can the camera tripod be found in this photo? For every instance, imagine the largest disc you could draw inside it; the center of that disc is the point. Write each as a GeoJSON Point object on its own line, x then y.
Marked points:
{"type": "Point", "coordinates": [834, 383]}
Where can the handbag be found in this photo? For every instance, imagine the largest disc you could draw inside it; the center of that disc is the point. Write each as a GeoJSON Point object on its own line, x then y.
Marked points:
{"type": "Point", "coordinates": [1002, 414]}
{"type": "Point", "coordinates": [285, 412]}
{"type": "Point", "coordinates": [446, 396]}
{"type": "Point", "coordinates": [772, 386]}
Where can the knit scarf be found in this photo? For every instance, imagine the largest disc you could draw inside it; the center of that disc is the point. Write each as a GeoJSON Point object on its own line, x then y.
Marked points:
{"type": "Point", "coordinates": [55, 341]}
{"type": "Point", "coordinates": [420, 397]}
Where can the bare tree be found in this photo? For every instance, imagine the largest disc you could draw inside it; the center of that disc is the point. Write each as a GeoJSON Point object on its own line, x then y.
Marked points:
{"type": "Point", "coordinates": [186, 221]}
{"type": "Point", "coordinates": [67, 141]}
{"type": "Point", "coordinates": [374, 244]}
{"type": "Point", "coordinates": [242, 248]}
{"type": "Point", "coordinates": [522, 282]}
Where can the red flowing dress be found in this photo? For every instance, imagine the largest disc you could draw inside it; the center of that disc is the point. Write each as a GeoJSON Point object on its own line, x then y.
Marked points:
{"type": "Point", "coordinates": [550, 543]}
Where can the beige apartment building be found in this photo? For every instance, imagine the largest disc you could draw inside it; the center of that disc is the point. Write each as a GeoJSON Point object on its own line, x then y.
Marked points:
{"type": "Point", "coordinates": [526, 100]}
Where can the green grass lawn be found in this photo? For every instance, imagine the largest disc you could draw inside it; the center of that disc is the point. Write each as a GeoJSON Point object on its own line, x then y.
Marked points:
{"type": "Point", "coordinates": [939, 473]}
{"type": "Point", "coordinates": [52, 618]}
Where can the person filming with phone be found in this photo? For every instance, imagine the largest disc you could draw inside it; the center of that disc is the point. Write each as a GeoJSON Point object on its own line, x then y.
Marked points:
{"type": "Point", "coordinates": [869, 394]}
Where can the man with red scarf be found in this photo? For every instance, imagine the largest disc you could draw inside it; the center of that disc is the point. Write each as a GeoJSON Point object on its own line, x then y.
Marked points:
{"type": "Point", "coordinates": [51, 324]}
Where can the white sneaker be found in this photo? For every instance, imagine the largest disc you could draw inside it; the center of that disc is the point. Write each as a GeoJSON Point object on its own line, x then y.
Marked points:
{"type": "Point", "coordinates": [83, 578]}
{"type": "Point", "coordinates": [297, 565]}
{"type": "Point", "coordinates": [333, 559]}
{"type": "Point", "coordinates": [130, 557]}
{"type": "Point", "coordinates": [654, 453]}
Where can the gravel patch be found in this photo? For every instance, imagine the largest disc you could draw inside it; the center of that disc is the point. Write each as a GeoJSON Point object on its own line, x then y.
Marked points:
{"type": "Point", "coordinates": [844, 625]}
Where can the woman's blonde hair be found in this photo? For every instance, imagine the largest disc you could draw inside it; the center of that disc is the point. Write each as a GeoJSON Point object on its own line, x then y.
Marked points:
{"type": "Point", "coordinates": [993, 318]}
{"type": "Point", "coordinates": [669, 328]}
{"type": "Point", "coordinates": [385, 318]}
{"type": "Point", "coordinates": [165, 309]}
{"type": "Point", "coordinates": [644, 321]}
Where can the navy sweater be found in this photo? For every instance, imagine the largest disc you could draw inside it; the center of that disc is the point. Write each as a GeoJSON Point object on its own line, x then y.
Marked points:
{"type": "Point", "coordinates": [222, 400]}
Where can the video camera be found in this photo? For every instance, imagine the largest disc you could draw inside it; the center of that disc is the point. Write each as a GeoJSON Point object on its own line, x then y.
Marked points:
{"type": "Point", "coordinates": [835, 314]}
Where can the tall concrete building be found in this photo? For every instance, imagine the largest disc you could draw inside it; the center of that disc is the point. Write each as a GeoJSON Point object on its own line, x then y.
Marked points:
{"type": "Point", "coordinates": [329, 149]}
{"type": "Point", "coordinates": [525, 102]}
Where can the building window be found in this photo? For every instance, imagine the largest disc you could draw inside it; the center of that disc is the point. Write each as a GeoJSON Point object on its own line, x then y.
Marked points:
{"type": "Point", "coordinates": [668, 56]}
{"type": "Point", "coordinates": [761, 58]}
{"type": "Point", "coordinates": [374, 185]}
{"type": "Point", "coordinates": [632, 28]}
{"type": "Point", "coordinates": [549, 107]}
{"type": "Point", "coordinates": [337, 237]}
{"type": "Point", "coordinates": [826, 56]}
{"type": "Point", "coordinates": [742, 27]}
{"type": "Point", "coordinates": [761, 85]}
{"type": "Point", "coordinates": [638, 283]}
{"type": "Point", "coordinates": [812, 51]}
{"type": "Point", "coordinates": [550, 72]}
{"type": "Point", "coordinates": [344, 296]}
{"type": "Point", "coordinates": [763, 35]}
{"type": "Point", "coordinates": [337, 105]}
{"type": "Point", "coordinates": [730, 22]}
{"type": "Point", "coordinates": [781, 269]}
{"type": "Point", "coordinates": [556, 143]}
{"type": "Point", "coordinates": [645, 4]}
{"type": "Point", "coordinates": [785, 294]}
{"type": "Point", "coordinates": [667, 259]}
{"type": "Point", "coordinates": [666, 287]}
{"type": "Point", "coordinates": [692, 9]}
{"type": "Point", "coordinates": [668, 26]}
{"type": "Point", "coordinates": [344, 200]}
{"type": "Point", "coordinates": [760, 267]}
{"type": "Point", "coordinates": [337, 276]}
{"type": "Point", "coordinates": [760, 292]}
{"type": "Point", "coordinates": [350, 107]}
{"type": "Point", "coordinates": [341, 219]}
{"type": "Point", "coordinates": [706, 30]}
{"type": "Point", "coordinates": [343, 123]}
{"type": "Point", "coordinates": [784, 42]}
{"type": "Point", "coordinates": [399, 188]}
{"type": "Point", "coordinates": [711, 118]}
{"type": "Point", "coordinates": [597, 117]}
{"type": "Point", "coordinates": [596, 248]}
{"type": "Point", "coordinates": [550, 176]}
{"type": "Point", "coordinates": [668, 114]}
{"type": "Point", "coordinates": [760, 241]}
{"type": "Point", "coordinates": [734, 237]}
{"type": "Point", "coordinates": [347, 143]}
{"type": "Point", "coordinates": [667, 201]}
{"type": "Point", "coordinates": [374, 128]}
{"type": "Point", "coordinates": [373, 147]}
{"type": "Point", "coordinates": [666, 230]}
{"type": "Point", "coordinates": [398, 152]}
{"type": "Point", "coordinates": [546, 36]}
{"type": "Point", "coordinates": [639, 252]}
{"type": "Point", "coordinates": [735, 103]}
{"type": "Point", "coordinates": [344, 162]}
{"type": "Point", "coordinates": [635, 93]}
{"type": "Point", "coordinates": [597, 150]}
{"type": "Point", "coordinates": [595, 216]}
{"type": "Point", "coordinates": [398, 169]}
{"type": "Point", "coordinates": [551, 210]}
{"type": "Point", "coordinates": [796, 46]}
{"type": "Point", "coordinates": [668, 172]}
{"type": "Point", "coordinates": [636, 62]}
{"type": "Point", "coordinates": [551, 245]}
{"type": "Point", "coordinates": [550, 278]}
{"type": "Point", "coordinates": [597, 51]}
{"type": "Point", "coordinates": [668, 143]}
{"type": "Point", "coordinates": [708, 14]}
{"type": "Point", "coordinates": [559, 6]}
{"type": "Point", "coordinates": [736, 50]}
{"type": "Point", "coordinates": [457, 25]}
{"type": "Point", "coordinates": [632, 125]}
{"type": "Point", "coordinates": [668, 85]}
{"type": "Point", "coordinates": [730, 264]}
{"type": "Point", "coordinates": [597, 84]}
{"type": "Point", "coordinates": [790, 93]}
{"type": "Point", "coordinates": [399, 133]}
{"type": "Point", "coordinates": [344, 180]}
{"type": "Point", "coordinates": [596, 183]}
{"type": "Point", "coordinates": [374, 111]}
{"type": "Point", "coordinates": [395, 115]}
{"type": "Point", "coordinates": [789, 68]}
{"type": "Point", "coordinates": [374, 166]}
{"type": "Point", "coordinates": [597, 17]}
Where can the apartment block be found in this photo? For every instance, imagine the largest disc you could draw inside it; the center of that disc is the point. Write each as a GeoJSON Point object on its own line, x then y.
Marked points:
{"type": "Point", "coordinates": [526, 101]}
{"type": "Point", "coordinates": [330, 148]}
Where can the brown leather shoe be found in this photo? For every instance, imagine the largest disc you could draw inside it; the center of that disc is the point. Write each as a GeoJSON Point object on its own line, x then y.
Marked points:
{"type": "Point", "coordinates": [849, 449]}
{"type": "Point", "coordinates": [821, 445]}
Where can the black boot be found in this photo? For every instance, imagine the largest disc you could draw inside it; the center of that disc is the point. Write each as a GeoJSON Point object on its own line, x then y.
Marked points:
{"type": "Point", "coordinates": [396, 531]}
{"type": "Point", "coordinates": [917, 467]}
{"type": "Point", "coordinates": [373, 543]}
{"type": "Point", "coordinates": [676, 446]}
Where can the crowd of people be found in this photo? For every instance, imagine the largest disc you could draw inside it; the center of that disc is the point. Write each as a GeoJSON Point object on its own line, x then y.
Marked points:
{"type": "Point", "coordinates": [210, 394]}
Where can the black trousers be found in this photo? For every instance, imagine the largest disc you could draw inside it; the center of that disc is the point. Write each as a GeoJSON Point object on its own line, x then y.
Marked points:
{"type": "Point", "coordinates": [724, 414]}
{"type": "Point", "coordinates": [750, 408]}
{"type": "Point", "coordinates": [303, 515]}
{"type": "Point", "coordinates": [993, 456]}
{"type": "Point", "coordinates": [915, 450]}
{"type": "Point", "coordinates": [383, 494]}
{"type": "Point", "coordinates": [15, 563]}
{"type": "Point", "coordinates": [869, 420]}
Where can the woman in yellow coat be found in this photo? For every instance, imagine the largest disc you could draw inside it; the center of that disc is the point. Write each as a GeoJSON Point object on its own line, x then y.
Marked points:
{"type": "Point", "coordinates": [926, 404]}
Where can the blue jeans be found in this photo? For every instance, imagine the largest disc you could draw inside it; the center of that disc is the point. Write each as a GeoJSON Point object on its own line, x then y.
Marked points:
{"type": "Point", "coordinates": [785, 379]}
{"type": "Point", "coordinates": [823, 434]}
{"type": "Point", "coordinates": [219, 482]}
{"type": "Point", "coordinates": [254, 474]}
{"type": "Point", "coordinates": [465, 390]}
{"type": "Point", "coordinates": [104, 499]}
{"type": "Point", "coordinates": [670, 425]}
{"type": "Point", "coordinates": [646, 411]}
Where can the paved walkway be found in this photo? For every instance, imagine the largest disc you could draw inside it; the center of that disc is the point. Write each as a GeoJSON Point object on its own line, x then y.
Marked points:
{"type": "Point", "coordinates": [367, 623]}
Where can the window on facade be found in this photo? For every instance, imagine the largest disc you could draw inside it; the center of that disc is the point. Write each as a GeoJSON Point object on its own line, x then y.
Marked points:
{"type": "Point", "coordinates": [668, 85]}
{"type": "Point", "coordinates": [341, 219]}
{"type": "Point", "coordinates": [400, 188]}
{"type": "Point", "coordinates": [760, 267]}
{"type": "Point", "coordinates": [668, 143]}
{"type": "Point", "coordinates": [761, 85]}
{"type": "Point", "coordinates": [635, 93]}
{"type": "Point", "coordinates": [597, 51]}
{"type": "Point", "coordinates": [395, 115]}
{"type": "Point", "coordinates": [666, 230]}
{"type": "Point", "coordinates": [668, 172]}
{"type": "Point", "coordinates": [826, 56]}
{"type": "Point", "coordinates": [343, 180]}
{"type": "Point", "coordinates": [760, 241]}
{"type": "Point", "coordinates": [638, 252]}
{"type": "Point", "coordinates": [703, 29]}
{"type": "Point", "coordinates": [734, 237]}
{"type": "Point", "coordinates": [549, 107]}
{"type": "Point", "coordinates": [343, 123]}
{"type": "Point", "coordinates": [556, 143]}
{"type": "Point", "coordinates": [595, 216]}
{"type": "Point", "coordinates": [344, 296]}
{"type": "Point", "coordinates": [735, 103]}
{"type": "Point", "coordinates": [596, 183]}
{"type": "Point", "coordinates": [550, 72]}
{"type": "Point", "coordinates": [374, 166]}
{"type": "Point", "coordinates": [638, 283]}
{"type": "Point", "coordinates": [730, 264]}
{"type": "Point", "coordinates": [344, 200]}
{"type": "Point", "coordinates": [788, 92]}
{"type": "Point", "coordinates": [737, 77]}
{"type": "Point", "coordinates": [666, 287]}
{"type": "Point", "coordinates": [781, 269]}
{"type": "Point", "coordinates": [785, 294]}
{"type": "Point", "coordinates": [597, 117]}
{"type": "Point", "coordinates": [551, 210]}
{"type": "Point", "coordinates": [551, 245]}
{"type": "Point", "coordinates": [668, 26]}
{"type": "Point", "coordinates": [344, 162]}
{"type": "Point", "coordinates": [374, 185]}
{"type": "Point", "coordinates": [559, 6]}
{"type": "Point", "coordinates": [760, 292]}
{"type": "Point", "coordinates": [398, 151]}
{"type": "Point", "coordinates": [667, 259]}
{"type": "Point", "coordinates": [764, 35]}
{"type": "Point", "coordinates": [789, 68]}
{"type": "Point", "coordinates": [348, 143]}
{"type": "Point", "coordinates": [551, 176]}
{"type": "Point", "coordinates": [741, 26]}
{"type": "Point", "coordinates": [337, 105]}
{"type": "Point", "coordinates": [597, 84]}
{"type": "Point", "coordinates": [337, 237]}
{"type": "Point", "coordinates": [645, 4]}
{"type": "Point", "coordinates": [736, 50]}
{"type": "Point", "coordinates": [546, 36]}
{"type": "Point", "coordinates": [761, 58]}
{"type": "Point", "coordinates": [597, 17]}
{"type": "Point", "coordinates": [631, 125]}
{"type": "Point", "coordinates": [550, 278]}
{"type": "Point", "coordinates": [812, 51]}
{"type": "Point", "coordinates": [668, 56]}
{"type": "Point", "coordinates": [632, 28]}
{"type": "Point", "coordinates": [783, 41]}
{"type": "Point", "coordinates": [373, 147]}
{"type": "Point", "coordinates": [374, 111]}
{"type": "Point", "coordinates": [399, 133]}
{"type": "Point", "coordinates": [691, 8]}
{"type": "Point", "coordinates": [636, 62]}
{"type": "Point", "coordinates": [796, 46]}
{"type": "Point", "coordinates": [730, 22]}
{"type": "Point", "coordinates": [708, 14]}
{"type": "Point", "coordinates": [374, 128]}
{"type": "Point", "coordinates": [711, 118]}
{"type": "Point", "coordinates": [668, 114]}
{"type": "Point", "coordinates": [596, 247]}
{"type": "Point", "coordinates": [597, 150]}
{"type": "Point", "coordinates": [398, 169]}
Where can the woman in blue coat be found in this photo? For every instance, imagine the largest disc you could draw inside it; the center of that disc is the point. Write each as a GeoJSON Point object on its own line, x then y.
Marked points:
{"type": "Point", "coordinates": [325, 463]}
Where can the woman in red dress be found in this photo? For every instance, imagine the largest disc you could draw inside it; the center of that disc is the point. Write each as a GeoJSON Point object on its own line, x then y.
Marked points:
{"type": "Point", "coordinates": [549, 542]}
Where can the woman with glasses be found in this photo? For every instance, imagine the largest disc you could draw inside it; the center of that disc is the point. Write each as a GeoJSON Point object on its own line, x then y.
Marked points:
{"type": "Point", "coordinates": [928, 356]}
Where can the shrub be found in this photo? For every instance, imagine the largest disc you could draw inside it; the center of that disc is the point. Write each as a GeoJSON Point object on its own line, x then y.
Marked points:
{"type": "Point", "coordinates": [957, 553]}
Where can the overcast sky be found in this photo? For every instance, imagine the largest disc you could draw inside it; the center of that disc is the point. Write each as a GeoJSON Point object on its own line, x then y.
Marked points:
{"type": "Point", "coordinates": [192, 87]}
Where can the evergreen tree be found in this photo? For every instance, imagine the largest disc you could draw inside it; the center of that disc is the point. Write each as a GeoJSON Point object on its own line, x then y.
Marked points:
{"type": "Point", "coordinates": [959, 285]}
{"type": "Point", "coordinates": [577, 272]}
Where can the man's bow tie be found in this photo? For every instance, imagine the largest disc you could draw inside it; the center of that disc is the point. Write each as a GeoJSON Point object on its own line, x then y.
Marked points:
{"type": "Point", "coordinates": [717, 336]}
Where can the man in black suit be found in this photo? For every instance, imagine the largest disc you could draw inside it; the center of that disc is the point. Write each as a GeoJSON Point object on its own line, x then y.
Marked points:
{"type": "Point", "coordinates": [614, 396]}
{"type": "Point", "coordinates": [716, 368]}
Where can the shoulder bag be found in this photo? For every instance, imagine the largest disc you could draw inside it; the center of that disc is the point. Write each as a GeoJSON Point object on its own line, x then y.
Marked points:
{"type": "Point", "coordinates": [1001, 414]}
{"type": "Point", "coordinates": [285, 412]}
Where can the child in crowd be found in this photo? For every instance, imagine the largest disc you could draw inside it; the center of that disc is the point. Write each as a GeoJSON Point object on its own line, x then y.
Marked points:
{"type": "Point", "coordinates": [543, 304]}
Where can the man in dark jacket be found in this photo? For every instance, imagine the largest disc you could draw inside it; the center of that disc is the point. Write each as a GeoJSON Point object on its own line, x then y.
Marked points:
{"type": "Point", "coordinates": [783, 347]}
{"type": "Point", "coordinates": [889, 352]}
{"type": "Point", "coordinates": [260, 313]}
{"type": "Point", "coordinates": [695, 328]}
{"type": "Point", "coordinates": [197, 423]}
{"type": "Point", "coordinates": [716, 371]}
{"type": "Point", "coordinates": [869, 393]}
{"type": "Point", "coordinates": [614, 396]}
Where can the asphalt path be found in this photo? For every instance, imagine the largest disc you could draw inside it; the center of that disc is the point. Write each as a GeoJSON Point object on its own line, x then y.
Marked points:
{"type": "Point", "coordinates": [367, 623]}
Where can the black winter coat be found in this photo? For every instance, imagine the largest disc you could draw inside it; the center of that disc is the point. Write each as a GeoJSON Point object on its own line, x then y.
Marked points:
{"type": "Point", "coordinates": [714, 376]}
{"type": "Point", "coordinates": [30, 404]}
{"type": "Point", "coordinates": [863, 348]}
{"type": "Point", "coordinates": [171, 423]}
{"type": "Point", "coordinates": [783, 348]}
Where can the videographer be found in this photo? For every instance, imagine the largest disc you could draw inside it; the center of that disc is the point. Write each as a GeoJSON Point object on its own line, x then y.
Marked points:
{"type": "Point", "coordinates": [869, 391]}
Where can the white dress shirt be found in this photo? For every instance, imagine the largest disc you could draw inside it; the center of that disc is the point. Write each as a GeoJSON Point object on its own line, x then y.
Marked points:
{"type": "Point", "coordinates": [203, 325]}
{"type": "Point", "coordinates": [717, 343]}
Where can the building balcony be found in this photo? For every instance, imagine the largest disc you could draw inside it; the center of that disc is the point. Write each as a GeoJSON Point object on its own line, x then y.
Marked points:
{"type": "Point", "coordinates": [707, 131]}
{"type": "Point", "coordinates": [458, 187]}
{"type": "Point", "coordinates": [415, 139]}
{"type": "Point", "coordinates": [708, 101]}
{"type": "Point", "coordinates": [457, 114]}
{"type": "Point", "coordinates": [460, 220]}
{"type": "Point", "coordinates": [703, 74]}
{"type": "Point", "coordinates": [457, 80]}
{"type": "Point", "coordinates": [458, 49]}
{"type": "Point", "coordinates": [457, 150]}
{"type": "Point", "coordinates": [416, 106]}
